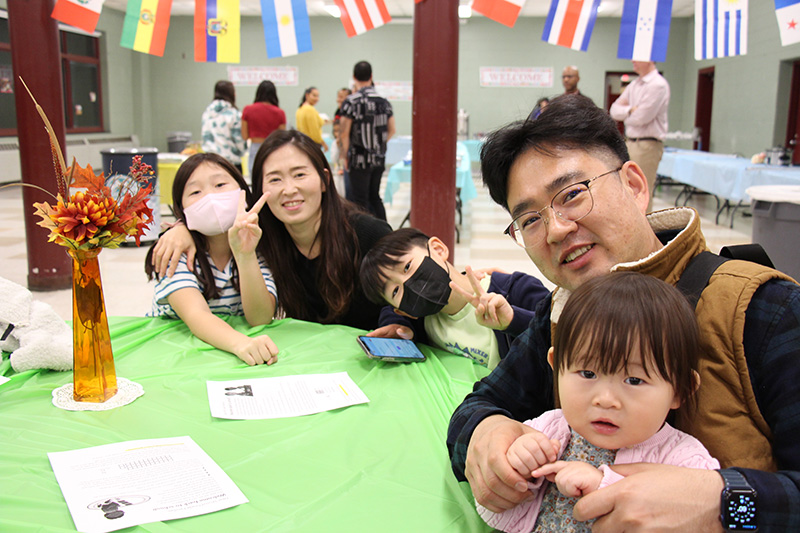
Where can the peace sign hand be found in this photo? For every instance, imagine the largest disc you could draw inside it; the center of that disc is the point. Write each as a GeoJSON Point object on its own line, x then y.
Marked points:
{"type": "Point", "coordinates": [491, 309]}
{"type": "Point", "coordinates": [245, 233]}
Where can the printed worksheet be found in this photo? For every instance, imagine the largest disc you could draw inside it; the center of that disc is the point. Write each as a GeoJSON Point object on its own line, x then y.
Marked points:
{"type": "Point", "coordinates": [281, 397]}
{"type": "Point", "coordinates": [120, 485]}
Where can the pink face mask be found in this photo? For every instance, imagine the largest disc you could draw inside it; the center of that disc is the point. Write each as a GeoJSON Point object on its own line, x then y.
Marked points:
{"type": "Point", "coordinates": [214, 213]}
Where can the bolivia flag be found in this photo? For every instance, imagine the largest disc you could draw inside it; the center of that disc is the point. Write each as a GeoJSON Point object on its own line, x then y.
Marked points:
{"type": "Point", "coordinates": [146, 25]}
{"type": "Point", "coordinates": [82, 14]}
{"type": "Point", "coordinates": [216, 31]}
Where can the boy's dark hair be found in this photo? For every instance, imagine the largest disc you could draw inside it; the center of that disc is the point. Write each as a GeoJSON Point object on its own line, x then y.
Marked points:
{"type": "Point", "coordinates": [569, 122]}
{"type": "Point", "coordinates": [385, 255]}
{"type": "Point", "coordinates": [609, 317]}
{"type": "Point", "coordinates": [204, 274]}
{"type": "Point", "coordinates": [362, 71]}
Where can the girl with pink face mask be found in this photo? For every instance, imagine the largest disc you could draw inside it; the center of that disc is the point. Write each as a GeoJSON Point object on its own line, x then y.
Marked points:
{"type": "Point", "coordinates": [228, 277]}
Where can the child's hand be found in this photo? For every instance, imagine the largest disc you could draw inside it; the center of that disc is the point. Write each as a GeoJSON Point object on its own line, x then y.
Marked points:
{"type": "Point", "coordinates": [529, 452]}
{"type": "Point", "coordinates": [393, 331]}
{"type": "Point", "coordinates": [492, 310]}
{"type": "Point", "coordinates": [245, 233]}
{"type": "Point", "coordinates": [573, 478]}
{"type": "Point", "coordinates": [257, 350]}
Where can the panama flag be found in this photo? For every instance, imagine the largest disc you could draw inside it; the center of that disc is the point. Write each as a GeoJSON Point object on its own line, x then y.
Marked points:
{"type": "Point", "coordinates": [720, 28]}
{"type": "Point", "coordinates": [216, 31]}
{"type": "Point", "coordinates": [286, 27]}
{"type": "Point", "coordinates": [788, 13]}
{"type": "Point", "coordinates": [146, 25]}
{"type": "Point", "coordinates": [644, 30]}
{"type": "Point", "coordinates": [82, 14]}
{"type": "Point", "coordinates": [570, 23]}
{"type": "Point", "coordinates": [502, 11]}
{"type": "Point", "coordinates": [360, 16]}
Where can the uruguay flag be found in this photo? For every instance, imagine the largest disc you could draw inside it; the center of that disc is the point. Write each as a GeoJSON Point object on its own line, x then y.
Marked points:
{"type": "Point", "coordinates": [286, 27]}
{"type": "Point", "coordinates": [720, 28]}
{"type": "Point", "coordinates": [788, 13]}
{"type": "Point", "coordinates": [644, 30]}
{"type": "Point", "coordinates": [570, 23]}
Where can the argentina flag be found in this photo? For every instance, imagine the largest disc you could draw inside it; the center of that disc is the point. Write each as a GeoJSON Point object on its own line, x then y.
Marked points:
{"type": "Point", "coordinates": [644, 30]}
{"type": "Point", "coordinates": [720, 28]}
{"type": "Point", "coordinates": [286, 27]}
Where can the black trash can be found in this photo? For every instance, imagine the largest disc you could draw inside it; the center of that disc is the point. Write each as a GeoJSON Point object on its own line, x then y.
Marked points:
{"type": "Point", "coordinates": [117, 162]}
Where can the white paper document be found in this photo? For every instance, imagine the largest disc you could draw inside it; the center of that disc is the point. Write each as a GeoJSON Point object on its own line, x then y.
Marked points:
{"type": "Point", "coordinates": [281, 397]}
{"type": "Point", "coordinates": [120, 485]}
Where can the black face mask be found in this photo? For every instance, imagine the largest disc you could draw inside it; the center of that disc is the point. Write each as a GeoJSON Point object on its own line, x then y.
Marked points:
{"type": "Point", "coordinates": [427, 291]}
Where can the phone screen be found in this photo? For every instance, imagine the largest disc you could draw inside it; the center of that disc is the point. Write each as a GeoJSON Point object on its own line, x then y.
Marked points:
{"type": "Point", "coordinates": [391, 349]}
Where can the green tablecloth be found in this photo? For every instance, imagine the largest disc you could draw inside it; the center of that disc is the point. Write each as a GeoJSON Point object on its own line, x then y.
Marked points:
{"type": "Point", "coordinates": [380, 466]}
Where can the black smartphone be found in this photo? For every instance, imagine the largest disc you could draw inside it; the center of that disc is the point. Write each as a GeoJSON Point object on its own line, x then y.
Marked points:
{"type": "Point", "coordinates": [394, 350]}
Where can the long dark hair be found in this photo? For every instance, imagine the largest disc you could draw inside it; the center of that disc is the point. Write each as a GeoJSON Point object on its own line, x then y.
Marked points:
{"type": "Point", "coordinates": [305, 95]}
{"type": "Point", "coordinates": [339, 253]}
{"type": "Point", "coordinates": [185, 171]}
{"type": "Point", "coordinates": [266, 92]}
{"type": "Point", "coordinates": [224, 90]}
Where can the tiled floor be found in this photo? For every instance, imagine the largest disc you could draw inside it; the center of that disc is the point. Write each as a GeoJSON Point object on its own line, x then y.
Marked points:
{"type": "Point", "coordinates": [127, 292]}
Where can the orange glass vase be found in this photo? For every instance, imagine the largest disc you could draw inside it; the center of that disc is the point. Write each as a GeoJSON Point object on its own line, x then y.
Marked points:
{"type": "Point", "coordinates": [94, 377]}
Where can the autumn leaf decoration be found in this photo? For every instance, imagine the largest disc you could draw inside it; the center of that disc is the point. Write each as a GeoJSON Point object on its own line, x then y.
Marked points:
{"type": "Point", "coordinates": [94, 216]}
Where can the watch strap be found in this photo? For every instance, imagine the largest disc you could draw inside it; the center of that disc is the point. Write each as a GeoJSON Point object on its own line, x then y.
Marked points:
{"type": "Point", "coordinates": [734, 480]}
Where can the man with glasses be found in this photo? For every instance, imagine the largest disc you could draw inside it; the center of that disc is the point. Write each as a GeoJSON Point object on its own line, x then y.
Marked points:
{"type": "Point", "coordinates": [578, 208]}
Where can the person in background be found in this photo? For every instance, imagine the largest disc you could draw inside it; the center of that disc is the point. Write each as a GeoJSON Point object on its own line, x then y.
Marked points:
{"type": "Point", "coordinates": [261, 118]}
{"type": "Point", "coordinates": [578, 206]}
{"type": "Point", "coordinates": [624, 355]}
{"type": "Point", "coordinates": [228, 277]}
{"type": "Point", "coordinates": [307, 118]}
{"type": "Point", "coordinates": [569, 79]}
{"type": "Point", "coordinates": [642, 106]}
{"type": "Point", "coordinates": [314, 240]}
{"type": "Point", "coordinates": [541, 104]}
{"type": "Point", "coordinates": [222, 125]}
{"type": "Point", "coordinates": [476, 319]}
{"type": "Point", "coordinates": [367, 125]}
{"type": "Point", "coordinates": [339, 157]}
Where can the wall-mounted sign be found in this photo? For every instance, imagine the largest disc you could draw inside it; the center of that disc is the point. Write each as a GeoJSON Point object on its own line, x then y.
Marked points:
{"type": "Point", "coordinates": [516, 76]}
{"type": "Point", "coordinates": [395, 90]}
{"type": "Point", "coordinates": [252, 76]}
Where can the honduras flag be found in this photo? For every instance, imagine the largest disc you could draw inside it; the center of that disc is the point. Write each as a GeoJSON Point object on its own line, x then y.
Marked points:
{"type": "Point", "coordinates": [720, 28]}
{"type": "Point", "coordinates": [644, 30]}
{"type": "Point", "coordinates": [286, 27]}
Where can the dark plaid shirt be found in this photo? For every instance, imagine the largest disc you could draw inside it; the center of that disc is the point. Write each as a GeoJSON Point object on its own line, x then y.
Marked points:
{"type": "Point", "coordinates": [369, 130]}
{"type": "Point", "coordinates": [521, 387]}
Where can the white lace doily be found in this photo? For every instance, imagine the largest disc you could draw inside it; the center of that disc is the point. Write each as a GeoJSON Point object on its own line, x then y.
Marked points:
{"type": "Point", "coordinates": [127, 391]}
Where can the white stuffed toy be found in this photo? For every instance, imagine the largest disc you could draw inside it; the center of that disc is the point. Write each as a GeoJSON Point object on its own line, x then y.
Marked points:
{"type": "Point", "coordinates": [32, 331]}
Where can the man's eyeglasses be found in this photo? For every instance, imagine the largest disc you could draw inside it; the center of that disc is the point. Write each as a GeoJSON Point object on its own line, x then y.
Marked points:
{"type": "Point", "coordinates": [571, 203]}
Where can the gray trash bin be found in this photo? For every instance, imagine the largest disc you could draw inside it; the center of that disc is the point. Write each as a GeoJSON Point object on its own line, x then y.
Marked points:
{"type": "Point", "coordinates": [776, 224]}
{"type": "Point", "coordinates": [176, 140]}
{"type": "Point", "coordinates": [117, 162]}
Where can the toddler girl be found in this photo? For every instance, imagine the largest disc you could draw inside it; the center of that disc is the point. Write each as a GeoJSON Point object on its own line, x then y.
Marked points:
{"type": "Point", "coordinates": [228, 277]}
{"type": "Point", "coordinates": [624, 355]}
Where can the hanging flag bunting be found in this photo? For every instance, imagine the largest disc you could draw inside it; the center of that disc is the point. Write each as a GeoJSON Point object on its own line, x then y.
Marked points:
{"type": "Point", "coordinates": [502, 11]}
{"type": "Point", "coordinates": [145, 26]}
{"type": "Point", "coordinates": [720, 28]}
{"type": "Point", "coordinates": [788, 13]}
{"type": "Point", "coordinates": [286, 27]}
{"type": "Point", "coordinates": [360, 16]}
{"type": "Point", "coordinates": [644, 30]}
{"type": "Point", "coordinates": [570, 23]}
{"type": "Point", "coordinates": [82, 14]}
{"type": "Point", "coordinates": [217, 31]}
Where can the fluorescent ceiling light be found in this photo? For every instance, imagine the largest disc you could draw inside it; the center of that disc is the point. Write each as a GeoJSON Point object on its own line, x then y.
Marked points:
{"type": "Point", "coordinates": [333, 10]}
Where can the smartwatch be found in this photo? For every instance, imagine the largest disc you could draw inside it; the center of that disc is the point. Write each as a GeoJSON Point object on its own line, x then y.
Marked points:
{"type": "Point", "coordinates": [738, 503]}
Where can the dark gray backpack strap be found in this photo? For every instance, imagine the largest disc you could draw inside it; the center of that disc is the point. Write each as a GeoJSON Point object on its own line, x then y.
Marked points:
{"type": "Point", "coordinates": [695, 278]}
{"type": "Point", "coordinates": [747, 252]}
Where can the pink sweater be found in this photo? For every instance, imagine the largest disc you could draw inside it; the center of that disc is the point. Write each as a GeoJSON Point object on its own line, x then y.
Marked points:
{"type": "Point", "coordinates": [669, 446]}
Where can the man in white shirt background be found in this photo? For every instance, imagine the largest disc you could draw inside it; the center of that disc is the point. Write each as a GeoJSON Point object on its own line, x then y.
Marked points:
{"type": "Point", "coordinates": [643, 108]}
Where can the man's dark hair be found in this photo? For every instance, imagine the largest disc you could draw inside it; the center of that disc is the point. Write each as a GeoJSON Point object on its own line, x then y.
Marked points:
{"type": "Point", "coordinates": [569, 122]}
{"type": "Point", "coordinates": [384, 255]}
{"type": "Point", "coordinates": [362, 71]}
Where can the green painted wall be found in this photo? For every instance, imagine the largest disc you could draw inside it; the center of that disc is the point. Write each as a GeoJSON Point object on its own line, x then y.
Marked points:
{"type": "Point", "coordinates": [152, 96]}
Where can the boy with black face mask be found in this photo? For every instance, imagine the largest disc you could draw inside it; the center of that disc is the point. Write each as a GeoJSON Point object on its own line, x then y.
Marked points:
{"type": "Point", "coordinates": [462, 314]}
